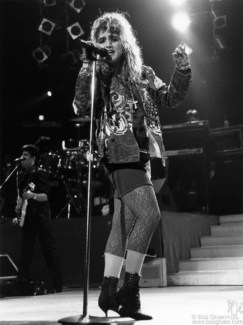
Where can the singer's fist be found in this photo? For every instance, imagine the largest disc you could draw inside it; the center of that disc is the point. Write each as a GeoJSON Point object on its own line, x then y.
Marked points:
{"type": "Point", "coordinates": [180, 56]}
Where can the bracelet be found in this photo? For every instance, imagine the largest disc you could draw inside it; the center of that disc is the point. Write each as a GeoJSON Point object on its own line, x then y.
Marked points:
{"type": "Point", "coordinates": [183, 68]}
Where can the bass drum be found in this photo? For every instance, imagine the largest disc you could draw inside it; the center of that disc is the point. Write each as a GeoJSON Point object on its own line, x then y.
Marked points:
{"type": "Point", "coordinates": [49, 162]}
{"type": "Point", "coordinates": [68, 165]}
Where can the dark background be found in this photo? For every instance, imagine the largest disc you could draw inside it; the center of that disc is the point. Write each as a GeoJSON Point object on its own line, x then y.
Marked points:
{"type": "Point", "coordinates": [216, 90]}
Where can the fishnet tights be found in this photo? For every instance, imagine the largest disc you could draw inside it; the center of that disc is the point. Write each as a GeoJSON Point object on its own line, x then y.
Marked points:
{"type": "Point", "coordinates": [135, 218]}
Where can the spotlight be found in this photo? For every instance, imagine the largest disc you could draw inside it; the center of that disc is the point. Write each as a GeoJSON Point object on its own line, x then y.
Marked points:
{"type": "Point", "coordinates": [49, 93]}
{"type": "Point", "coordinates": [49, 3]}
{"type": "Point", "coordinates": [188, 49]}
{"type": "Point", "coordinates": [177, 2]}
{"type": "Point", "coordinates": [181, 21]}
{"type": "Point", "coordinates": [77, 5]}
{"type": "Point", "coordinates": [41, 117]}
{"type": "Point", "coordinates": [218, 21]}
{"type": "Point", "coordinates": [75, 30]}
{"type": "Point", "coordinates": [41, 54]}
{"type": "Point", "coordinates": [46, 26]}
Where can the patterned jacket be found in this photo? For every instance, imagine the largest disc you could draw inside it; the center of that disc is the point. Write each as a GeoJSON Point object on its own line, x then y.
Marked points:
{"type": "Point", "coordinates": [114, 110]}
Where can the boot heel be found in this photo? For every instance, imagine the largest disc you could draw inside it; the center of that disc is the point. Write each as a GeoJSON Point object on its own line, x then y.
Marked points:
{"type": "Point", "coordinates": [129, 298]}
{"type": "Point", "coordinates": [107, 298]}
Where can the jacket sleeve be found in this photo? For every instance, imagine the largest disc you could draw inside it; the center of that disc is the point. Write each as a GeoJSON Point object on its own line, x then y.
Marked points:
{"type": "Point", "coordinates": [172, 95]}
{"type": "Point", "coordinates": [82, 98]}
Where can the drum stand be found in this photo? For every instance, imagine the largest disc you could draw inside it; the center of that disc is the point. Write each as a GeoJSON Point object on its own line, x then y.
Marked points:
{"type": "Point", "coordinates": [71, 201]}
{"type": "Point", "coordinates": [85, 318]}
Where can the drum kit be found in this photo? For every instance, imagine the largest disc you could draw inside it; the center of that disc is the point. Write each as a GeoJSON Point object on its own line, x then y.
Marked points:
{"type": "Point", "coordinates": [70, 167]}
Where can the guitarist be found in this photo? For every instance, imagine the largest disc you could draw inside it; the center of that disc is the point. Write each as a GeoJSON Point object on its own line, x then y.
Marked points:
{"type": "Point", "coordinates": [33, 186]}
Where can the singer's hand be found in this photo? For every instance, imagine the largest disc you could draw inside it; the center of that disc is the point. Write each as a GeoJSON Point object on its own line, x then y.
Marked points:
{"type": "Point", "coordinates": [158, 82]}
{"type": "Point", "coordinates": [180, 57]}
{"type": "Point", "coordinates": [102, 68]}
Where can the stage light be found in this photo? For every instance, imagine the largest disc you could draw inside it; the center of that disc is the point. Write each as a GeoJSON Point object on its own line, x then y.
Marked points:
{"type": "Point", "coordinates": [188, 49]}
{"type": "Point", "coordinates": [41, 117]}
{"type": "Point", "coordinates": [77, 5]}
{"type": "Point", "coordinates": [181, 21]}
{"type": "Point", "coordinates": [49, 3]}
{"type": "Point", "coordinates": [42, 53]}
{"type": "Point", "coordinates": [49, 93]}
{"type": "Point", "coordinates": [75, 30]}
{"type": "Point", "coordinates": [177, 2]}
{"type": "Point", "coordinates": [218, 21]}
{"type": "Point", "coordinates": [46, 26]}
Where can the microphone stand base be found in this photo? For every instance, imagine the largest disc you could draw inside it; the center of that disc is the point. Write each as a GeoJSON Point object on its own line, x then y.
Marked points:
{"type": "Point", "coordinates": [86, 319]}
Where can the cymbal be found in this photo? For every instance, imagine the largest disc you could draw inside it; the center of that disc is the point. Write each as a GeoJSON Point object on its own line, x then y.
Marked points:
{"type": "Point", "coordinates": [80, 119]}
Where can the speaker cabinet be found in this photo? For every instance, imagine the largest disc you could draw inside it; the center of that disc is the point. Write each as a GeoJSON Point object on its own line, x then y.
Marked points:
{"type": "Point", "coordinates": [226, 189]}
{"type": "Point", "coordinates": [188, 182]}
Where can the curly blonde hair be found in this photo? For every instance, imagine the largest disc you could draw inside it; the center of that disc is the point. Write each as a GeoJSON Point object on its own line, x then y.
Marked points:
{"type": "Point", "coordinates": [117, 22]}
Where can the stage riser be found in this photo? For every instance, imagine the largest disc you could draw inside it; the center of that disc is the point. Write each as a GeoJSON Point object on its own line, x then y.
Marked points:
{"type": "Point", "coordinates": [231, 218]}
{"type": "Point", "coordinates": [218, 241]}
{"type": "Point", "coordinates": [228, 229]}
{"type": "Point", "coordinates": [230, 263]}
{"type": "Point", "coordinates": [218, 264]}
{"type": "Point", "coordinates": [206, 278]}
{"type": "Point", "coordinates": [178, 228]}
{"type": "Point", "coordinates": [214, 252]}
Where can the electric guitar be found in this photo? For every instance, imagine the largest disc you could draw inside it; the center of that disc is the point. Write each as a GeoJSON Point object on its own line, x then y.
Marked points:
{"type": "Point", "coordinates": [23, 205]}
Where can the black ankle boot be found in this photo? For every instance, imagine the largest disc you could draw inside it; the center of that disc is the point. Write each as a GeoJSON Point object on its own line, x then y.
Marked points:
{"type": "Point", "coordinates": [129, 298]}
{"type": "Point", "coordinates": [107, 299]}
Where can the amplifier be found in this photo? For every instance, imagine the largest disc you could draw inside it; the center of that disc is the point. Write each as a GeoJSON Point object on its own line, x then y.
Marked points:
{"type": "Point", "coordinates": [186, 139]}
{"type": "Point", "coordinates": [227, 140]}
{"type": "Point", "coordinates": [187, 147]}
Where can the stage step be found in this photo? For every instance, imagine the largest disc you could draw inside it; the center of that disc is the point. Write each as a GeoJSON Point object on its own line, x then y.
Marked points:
{"type": "Point", "coordinates": [227, 229]}
{"type": "Point", "coordinates": [217, 241]}
{"type": "Point", "coordinates": [219, 260]}
{"type": "Point", "coordinates": [205, 278]}
{"type": "Point", "coordinates": [231, 218]}
{"type": "Point", "coordinates": [217, 251]}
{"type": "Point", "coordinates": [212, 264]}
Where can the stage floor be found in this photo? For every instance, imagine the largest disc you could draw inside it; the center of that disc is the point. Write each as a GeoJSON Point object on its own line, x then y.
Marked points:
{"type": "Point", "coordinates": [168, 306]}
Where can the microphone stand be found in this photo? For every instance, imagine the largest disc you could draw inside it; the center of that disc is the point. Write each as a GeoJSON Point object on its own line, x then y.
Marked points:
{"type": "Point", "coordinates": [12, 172]}
{"type": "Point", "coordinates": [85, 318]}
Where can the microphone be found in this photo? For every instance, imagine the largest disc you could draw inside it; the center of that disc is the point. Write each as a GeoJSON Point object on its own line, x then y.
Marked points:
{"type": "Point", "coordinates": [91, 47]}
{"type": "Point", "coordinates": [19, 159]}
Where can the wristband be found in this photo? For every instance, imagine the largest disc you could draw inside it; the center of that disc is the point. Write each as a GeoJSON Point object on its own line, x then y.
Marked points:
{"type": "Point", "coordinates": [183, 68]}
